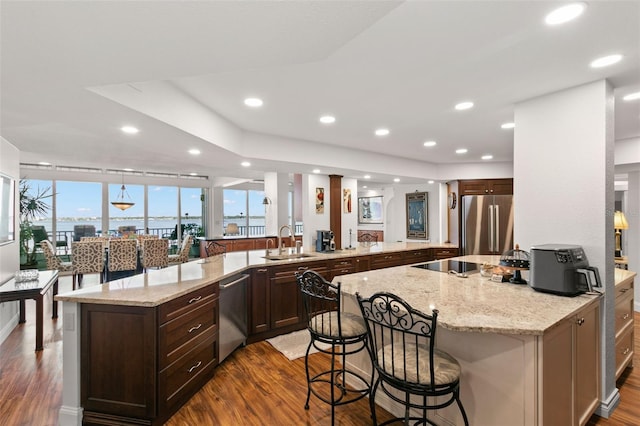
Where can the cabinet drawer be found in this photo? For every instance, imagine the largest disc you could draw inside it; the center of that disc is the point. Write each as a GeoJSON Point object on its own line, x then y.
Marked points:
{"type": "Point", "coordinates": [624, 289]}
{"type": "Point", "coordinates": [444, 253]}
{"type": "Point", "coordinates": [624, 312]}
{"type": "Point", "coordinates": [624, 350]}
{"type": "Point", "coordinates": [181, 305]}
{"type": "Point", "coordinates": [342, 263]}
{"type": "Point", "coordinates": [386, 260]}
{"type": "Point", "coordinates": [343, 271]}
{"type": "Point", "coordinates": [415, 256]}
{"type": "Point", "coordinates": [184, 377]}
{"type": "Point", "coordinates": [180, 335]}
{"type": "Point", "coordinates": [290, 273]}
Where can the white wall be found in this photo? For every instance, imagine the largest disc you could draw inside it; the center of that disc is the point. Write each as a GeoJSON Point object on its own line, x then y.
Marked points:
{"type": "Point", "coordinates": [563, 188]}
{"type": "Point", "coordinates": [313, 221]}
{"type": "Point", "coordinates": [9, 253]}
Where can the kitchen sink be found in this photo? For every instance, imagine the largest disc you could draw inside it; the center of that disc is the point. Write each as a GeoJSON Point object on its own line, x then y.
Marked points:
{"type": "Point", "coordinates": [287, 256]}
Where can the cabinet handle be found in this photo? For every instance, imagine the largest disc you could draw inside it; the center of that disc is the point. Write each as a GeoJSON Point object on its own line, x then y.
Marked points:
{"type": "Point", "coordinates": [623, 290]}
{"type": "Point", "coordinates": [195, 366]}
{"type": "Point", "coordinates": [626, 351]}
{"type": "Point", "coordinates": [194, 328]}
{"type": "Point", "coordinates": [302, 268]}
{"type": "Point", "coordinates": [580, 321]}
{"type": "Point", "coordinates": [263, 270]}
{"type": "Point", "coordinates": [195, 299]}
{"type": "Point", "coordinates": [625, 316]}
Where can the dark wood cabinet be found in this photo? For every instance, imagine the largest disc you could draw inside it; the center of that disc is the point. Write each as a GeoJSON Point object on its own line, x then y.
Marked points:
{"type": "Point", "coordinates": [387, 260]}
{"type": "Point", "coordinates": [416, 256]}
{"type": "Point", "coordinates": [259, 296]}
{"type": "Point", "coordinates": [444, 253]}
{"type": "Point", "coordinates": [341, 267]}
{"type": "Point", "coordinates": [486, 187]}
{"type": "Point", "coordinates": [139, 364]}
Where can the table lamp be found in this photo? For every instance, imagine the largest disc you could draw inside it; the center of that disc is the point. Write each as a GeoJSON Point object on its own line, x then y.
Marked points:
{"type": "Point", "coordinates": [619, 223]}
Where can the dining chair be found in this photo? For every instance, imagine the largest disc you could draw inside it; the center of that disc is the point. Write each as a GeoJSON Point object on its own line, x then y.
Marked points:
{"type": "Point", "coordinates": [40, 234]}
{"type": "Point", "coordinates": [337, 334]}
{"type": "Point", "coordinates": [122, 256]}
{"type": "Point", "coordinates": [53, 261]}
{"type": "Point", "coordinates": [410, 369]}
{"type": "Point", "coordinates": [80, 231]}
{"type": "Point", "coordinates": [155, 253]}
{"type": "Point", "coordinates": [213, 248]}
{"type": "Point", "coordinates": [87, 257]}
{"type": "Point", "coordinates": [183, 255]}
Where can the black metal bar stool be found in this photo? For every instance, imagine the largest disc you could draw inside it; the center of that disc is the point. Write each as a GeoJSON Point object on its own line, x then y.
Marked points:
{"type": "Point", "coordinates": [402, 345]}
{"type": "Point", "coordinates": [342, 334]}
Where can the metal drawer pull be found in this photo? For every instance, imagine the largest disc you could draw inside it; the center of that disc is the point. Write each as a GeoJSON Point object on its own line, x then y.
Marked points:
{"type": "Point", "coordinates": [580, 321]}
{"type": "Point", "coordinates": [263, 270]}
{"type": "Point", "coordinates": [303, 268]}
{"type": "Point", "coordinates": [626, 351]}
{"type": "Point", "coordinates": [195, 366]}
{"type": "Point", "coordinates": [624, 290]}
{"type": "Point", "coordinates": [195, 299]}
{"type": "Point", "coordinates": [625, 316]}
{"type": "Point", "coordinates": [195, 328]}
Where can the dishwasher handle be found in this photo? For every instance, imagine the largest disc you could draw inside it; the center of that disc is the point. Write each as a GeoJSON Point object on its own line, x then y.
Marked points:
{"type": "Point", "coordinates": [237, 281]}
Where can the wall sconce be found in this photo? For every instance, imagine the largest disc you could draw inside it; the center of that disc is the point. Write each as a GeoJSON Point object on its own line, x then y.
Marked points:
{"type": "Point", "coordinates": [619, 223]}
{"type": "Point", "coordinates": [266, 201]}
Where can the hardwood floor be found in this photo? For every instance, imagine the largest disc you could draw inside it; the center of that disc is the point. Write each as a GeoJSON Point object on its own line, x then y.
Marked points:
{"type": "Point", "coordinates": [255, 386]}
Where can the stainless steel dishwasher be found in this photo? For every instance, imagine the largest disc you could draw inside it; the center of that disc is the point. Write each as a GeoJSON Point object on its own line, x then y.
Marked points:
{"type": "Point", "coordinates": [233, 314]}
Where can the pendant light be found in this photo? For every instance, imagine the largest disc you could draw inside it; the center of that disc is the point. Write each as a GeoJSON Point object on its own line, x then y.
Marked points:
{"type": "Point", "coordinates": [120, 202]}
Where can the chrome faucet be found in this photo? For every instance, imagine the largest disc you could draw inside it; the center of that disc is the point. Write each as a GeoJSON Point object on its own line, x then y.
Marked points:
{"type": "Point", "coordinates": [266, 250]}
{"type": "Point", "coordinates": [280, 242]}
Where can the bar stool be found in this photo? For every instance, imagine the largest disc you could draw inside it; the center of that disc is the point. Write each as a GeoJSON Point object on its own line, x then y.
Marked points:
{"type": "Point", "coordinates": [402, 346]}
{"type": "Point", "coordinates": [342, 334]}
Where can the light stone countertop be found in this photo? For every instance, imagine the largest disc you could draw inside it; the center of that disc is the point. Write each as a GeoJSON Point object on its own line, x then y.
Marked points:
{"type": "Point", "coordinates": [158, 286]}
{"type": "Point", "coordinates": [473, 304]}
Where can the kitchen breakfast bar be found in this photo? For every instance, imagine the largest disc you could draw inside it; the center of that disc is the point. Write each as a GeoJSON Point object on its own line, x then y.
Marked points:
{"type": "Point", "coordinates": [526, 357]}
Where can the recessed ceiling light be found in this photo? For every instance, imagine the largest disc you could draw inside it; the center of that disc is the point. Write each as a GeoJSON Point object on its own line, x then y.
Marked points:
{"type": "Point", "coordinates": [367, 177]}
{"type": "Point", "coordinates": [605, 61]}
{"type": "Point", "coordinates": [327, 119]}
{"type": "Point", "coordinates": [382, 132]}
{"type": "Point", "coordinates": [429, 143]}
{"type": "Point", "coordinates": [396, 179]}
{"type": "Point", "coordinates": [430, 182]}
{"type": "Point", "coordinates": [462, 151]}
{"type": "Point", "coordinates": [464, 105]}
{"type": "Point", "coordinates": [253, 102]}
{"type": "Point", "coordinates": [632, 96]}
{"type": "Point", "coordinates": [129, 129]}
{"type": "Point", "coordinates": [316, 171]}
{"type": "Point", "coordinates": [364, 186]}
{"type": "Point", "coordinates": [194, 151]}
{"type": "Point", "coordinates": [44, 163]}
{"type": "Point", "coordinates": [508, 125]}
{"type": "Point", "coordinates": [245, 164]}
{"type": "Point", "coordinates": [487, 157]}
{"type": "Point", "coordinates": [565, 13]}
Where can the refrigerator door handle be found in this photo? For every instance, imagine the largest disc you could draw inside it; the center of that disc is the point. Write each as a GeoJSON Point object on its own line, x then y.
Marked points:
{"type": "Point", "coordinates": [497, 235]}
{"type": "Point", "coordinates": [491, 229]}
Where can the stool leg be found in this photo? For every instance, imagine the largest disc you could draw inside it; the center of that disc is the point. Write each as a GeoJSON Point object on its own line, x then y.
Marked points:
{"type": "Point", "coordinates": [372, 400]}
{"type": "Point", "coordinates": [332, 382]}
{"type": "Point", "coordinates": [464, 414]}
{"type": "Point", "coordinates": [306, 367]}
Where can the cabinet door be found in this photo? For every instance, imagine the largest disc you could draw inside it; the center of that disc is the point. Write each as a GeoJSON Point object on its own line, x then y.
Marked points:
{"type": "Point", "coordinates": [473, 187]}
{"type": "Point", "coordinates": [259, 301]}
{"type": "Point", "coordinates": [501, 187]}
{"type": "Point", "coordinates": [286, 301]}
{"type": "Point", "coordinates": [587, 378]}
{"type": "Point", "coordinates": [557, 383]}
{"type": "Point", "coordinates": [118, 365]}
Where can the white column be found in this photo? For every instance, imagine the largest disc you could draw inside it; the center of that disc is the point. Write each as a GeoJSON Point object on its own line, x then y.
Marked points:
{"type": "Point", "coordinates": [215, 226]}
{"type": "Point", "coordinates": [70, 413]}
{"type": "Point", "coordinates": [564, 190]}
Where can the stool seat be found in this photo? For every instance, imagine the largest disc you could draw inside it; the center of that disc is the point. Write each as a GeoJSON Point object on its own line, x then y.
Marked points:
{"type": "Point", "coordinates": [346, 334]}
{"type": "Point", "coordinates": [413, 364]}
{"type": "Point", "coordinates": [326, 325]}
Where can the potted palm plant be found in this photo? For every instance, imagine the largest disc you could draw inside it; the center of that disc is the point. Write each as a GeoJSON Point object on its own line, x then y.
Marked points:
{"type": "Point", "coordinates": [32, 207]}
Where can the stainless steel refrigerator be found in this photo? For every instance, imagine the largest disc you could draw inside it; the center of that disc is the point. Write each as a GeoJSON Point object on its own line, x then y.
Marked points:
{"type": "Point", "coordinates": [487, 224]}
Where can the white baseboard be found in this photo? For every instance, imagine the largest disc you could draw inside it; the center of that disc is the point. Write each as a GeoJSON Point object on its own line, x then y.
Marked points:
{"type": "Point", "coordinates": [70, 416]}
{"type": "Point", "coordinates": [9, 326]}
{"type": "Point", "coordinates": [606, 407]}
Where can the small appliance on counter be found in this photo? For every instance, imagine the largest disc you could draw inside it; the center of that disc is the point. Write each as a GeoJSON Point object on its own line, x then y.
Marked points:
{"type": "Point", "coordinates": [517, 260]}
{"type": "Point", "coordinates": [562, 269]}
{"type": "Point", "coordinates": [325, 241]}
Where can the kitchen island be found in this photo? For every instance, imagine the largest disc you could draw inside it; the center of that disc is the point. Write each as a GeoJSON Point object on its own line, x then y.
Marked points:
{"type": "Point", "coordinates": [528, 358]}
{"type": "Point", "coordinates": [135, 349]}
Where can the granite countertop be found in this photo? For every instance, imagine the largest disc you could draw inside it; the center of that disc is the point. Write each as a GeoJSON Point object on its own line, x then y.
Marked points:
{"type": "Point", "coordinates": [161, 285]}
{"type": "Point", "coordinates": [473, 304]}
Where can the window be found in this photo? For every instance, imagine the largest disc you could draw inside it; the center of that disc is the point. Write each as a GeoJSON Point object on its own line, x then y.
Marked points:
{"type": "Point", "coordinates": [191, 210]}
{"type": "Point", "coordinates": [77, 203]}
{"type": "Point", "coordinates": [162, 211]}
{"type": "Point", "coordinates": [244, 208]}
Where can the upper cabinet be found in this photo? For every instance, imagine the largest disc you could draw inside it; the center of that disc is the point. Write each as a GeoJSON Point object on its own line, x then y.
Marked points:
{"type": "Point", "coordinates": [486, 187]}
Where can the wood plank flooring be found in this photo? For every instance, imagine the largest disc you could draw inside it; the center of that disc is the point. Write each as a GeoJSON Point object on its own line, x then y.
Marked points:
{"type": "Point", "coordinates": [255, 386]}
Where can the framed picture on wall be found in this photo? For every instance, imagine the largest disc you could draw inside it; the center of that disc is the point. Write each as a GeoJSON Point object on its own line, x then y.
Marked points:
{"type": "Point", "coordinates": [370, 209]}
{"type": "Point", "coordinates": [346, 200]}
{"type": "Point", "coordinates": [319, 200]}
{"type": "Point", "coordinates": [417, 213]}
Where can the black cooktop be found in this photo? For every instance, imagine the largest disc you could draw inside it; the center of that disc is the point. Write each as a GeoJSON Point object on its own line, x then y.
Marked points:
{"type": "Point", "coordinates": [450, 265]}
